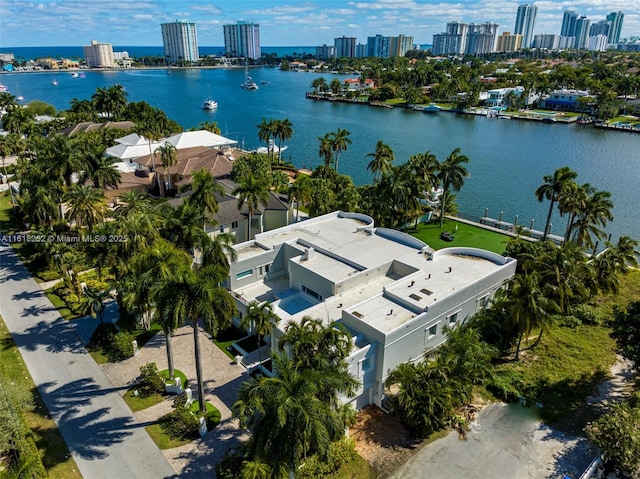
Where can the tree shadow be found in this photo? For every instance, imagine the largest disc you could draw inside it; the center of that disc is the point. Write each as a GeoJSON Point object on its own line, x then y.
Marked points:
{"type": "Point", "coordinates": [88, 432]}
{"type": "Point", "coordinates": [56, 337]}
{"type": "Point", "coordinates": [574, 458]}
{"type": "Point", "coordinates": [228, 392]}
{"type": "Point", "coordinates": [36, 310]}
{"type": "Point", "coordinates": [26, 295]}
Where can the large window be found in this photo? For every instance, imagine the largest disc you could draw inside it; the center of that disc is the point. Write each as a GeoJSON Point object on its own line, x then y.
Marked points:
{"type": "Point", "coordinates": [312, 293]}
{"type": "Point", "coordinates": [244, 274]}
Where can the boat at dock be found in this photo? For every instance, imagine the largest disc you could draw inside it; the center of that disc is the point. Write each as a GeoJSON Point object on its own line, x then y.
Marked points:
{"type": "Point", "coordinates": [432, 108]}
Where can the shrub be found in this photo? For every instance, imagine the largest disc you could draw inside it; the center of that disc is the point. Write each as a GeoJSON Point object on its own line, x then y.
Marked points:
{"type": "Point", "coordinates": [230, 466]}
{"type": "Point", "coordinates": [340, 453]}
{"type": "Point", "coordinates": [587, 314]}
{"type": "Point", "coordinates": [121, 348]}
{"type": "Point", "coordinates": [151, 381]}
{"type": "Point", "coordinates": [103, 335]}
{"type": "Point", "coordinates": [570, 322]}
{"type": "Point", "coordinates": [181, 423]}
{"type": "Point", "coordinates": [49, 275]}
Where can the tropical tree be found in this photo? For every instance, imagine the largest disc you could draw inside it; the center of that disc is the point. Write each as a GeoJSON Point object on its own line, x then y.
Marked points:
{"type": "Point", "coordinates": [592, 218]}
{"type": "Point", "coordinates": [325, 150]}
{"type": "Point", "coordinates": [204, 192]}
{"type": "Point", "coordinates": [131, 203]}
{"type": "Point", "coordinates": [573, 200]}
{"type": "Point", "coordinates": [626, 332]}
{"type": "Point", "coordinates": [283, 131]}
{"type": "Point", "coordinates": [195, 295]}
{"type": "Point", "coordinates": [259, 319]}
{"type": "Point", "coordinates": [110, 100]}
{"type": "Point", "coordinates": [288, 418]}
{"type": "Point", "coordinates": [340, 141]}
{"type": "Point", "coordinates": [299, 192]}
{"type": "Point", "coordinates": [93, 301]}
{"type": "Point", "coordinates": [86, 206]}
{"type": "Point", "coordinates": [451, 174]}
{"type": "Point", "coordinates": [169, 157]}
{"type": "Point", "coordinates": [267, 131]}
{"type": "Point", "coordinates": [553, 188]}
{"type": "Point", "coordinates": [100, 170]}
{"type": "Point", "coordinates": [251, 192]}
{"type": "Point", "coordinates": [381, 160]}
{"type": "Point", "coordinates": [210, 126]}
{"type": "Point", "coordinates": [335, 86]}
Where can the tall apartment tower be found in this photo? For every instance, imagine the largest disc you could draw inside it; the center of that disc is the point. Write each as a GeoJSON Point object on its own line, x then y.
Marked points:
{"type": "Point", "coordinates": [569, 20]}
{"type": "Point", "coordinates": [378, 46]}
{"type": "Point", "coordinates": [345, 47]}
{"type": "Point", "coordinates": [482, 38]}
{"type": "Point", "coordinates": [525, 22]}
{"type": "Point", "coordinates": [180, 41]}
{"type": "Point", "coordinates": [582, 33]}
{"type": "Point", "coordinates": [99, 55]}
{"type": "Point", "coordinates": [242, 40]}
{"type": "Point", "coordinates": [599, 28]}
{"type": "Point", "coordinates": [400, 45]}
{"type": "Point", "coordinates": [615, 26]}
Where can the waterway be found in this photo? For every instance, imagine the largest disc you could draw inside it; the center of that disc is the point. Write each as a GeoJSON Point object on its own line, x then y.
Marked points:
{"type": "Point", "coordinates": [508, 157]}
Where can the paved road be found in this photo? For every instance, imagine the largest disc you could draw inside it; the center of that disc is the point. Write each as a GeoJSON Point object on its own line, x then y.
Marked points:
{"type": "Point", "coordinates": [103, 436]}
{"type": "Point", "coordinates": [505, 442]}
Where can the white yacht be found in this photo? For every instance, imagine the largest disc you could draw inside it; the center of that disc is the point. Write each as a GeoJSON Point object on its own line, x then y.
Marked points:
{"type": "Point", "coordinates": [210, 105]}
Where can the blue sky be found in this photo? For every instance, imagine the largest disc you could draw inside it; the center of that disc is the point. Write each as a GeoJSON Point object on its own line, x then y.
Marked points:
{"type": "Point", "coordinates": [282, 22]}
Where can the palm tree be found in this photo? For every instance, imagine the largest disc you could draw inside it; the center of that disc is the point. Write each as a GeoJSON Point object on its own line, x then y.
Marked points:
{"type": "Point", "coordinates": [259, 319]}
{"type": "Point", "coordinates": [87, 206]}
{"type": "Point", "coordinates": [552, 189]}
{"type": "Point", "coordinates": [101, 171]}
{"type": "Point", "coordinates": [425, 166]}
{"type": "Point", "coordinates": [340, 141]}
{"type": "Point", "coordinates": [152, 132]}
{"type": "Point", "coordinates": [168, 157]}
{"type": "Point", "coordinates": [94, 302]}
{"type": "Point", "coordinates": [381, 160]}
{"type": "Point", "coordinates": [204, 189]}
{"type": "Point", "coordinates": [451, 175]}
{"type": "Point", "coordinates": [131, 203]}
{"type": "Point", "coordinates": [299, 192]}
{"type": "Point", "coordinates": [266, 131]}
{"type": "Point", "coordinates": [252, 192]}
{"type": "Point", "coordinates": [194, 295]}
{"type": "Point", "coordinates": [210, 126]}
{"type": "Point", "coordinates": [286, 415]}
{"type": "Point", "coordinates": [110, 100]}
{"type": "Point", "coordinates": [8, 144]}
{"type": "Point", "coordinates": [592, 218]}
{"type": "Point", "coordinates": [183, 227]}
{"type": "Point", "coordinates": [571, 202]}
{"type": "Point", "coordinates": [283, 131]}
{"type": "Point", "coordinates": [325, 150]}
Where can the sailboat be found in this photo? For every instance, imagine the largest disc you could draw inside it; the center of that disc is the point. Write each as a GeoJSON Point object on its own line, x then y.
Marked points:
{"type": "Point", "coordinates": [248, 84]}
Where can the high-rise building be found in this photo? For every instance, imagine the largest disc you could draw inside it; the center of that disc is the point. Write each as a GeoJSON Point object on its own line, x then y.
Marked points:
{"type": "Point", "coordinates": [400, 45]}
{"type": "Point", "coordinates": [508, 42]}
{"type": "Point", "coordinates": [615, 26]}
{"type": "Point", "coordinates": [525, 22]}
{"type": "Point", "coordinates": [345, 47]}
{"type": "Point", "coordinates": [599, 28]}
{"type": "Point", "coordinates": [569, 20]}
{"type": "Point", "coordinates": [99, 55]}
{"type": "Point", "coordinates": [378, 46]}
{"type": "Point", "coordinates": [325, 52]}
{"type": "Point", "coordinates": [597, 43]}
{"type": "Point", "coordinates": [242, 40]}
{"type": "Point", "coordinates": [546, 41]}
{"type": "Point", "coordinates": [180, 41]}
{"type": "Point", "coordinates": [582, 33]}
{"type": "Point", "coordinates": [451, 42]}
{"type": "Point", "coordinates": [482, 38]}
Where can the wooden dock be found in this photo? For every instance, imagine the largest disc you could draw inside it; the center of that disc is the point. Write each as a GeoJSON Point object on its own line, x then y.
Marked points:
{"type": "Point", "coordinates": [510, 227]}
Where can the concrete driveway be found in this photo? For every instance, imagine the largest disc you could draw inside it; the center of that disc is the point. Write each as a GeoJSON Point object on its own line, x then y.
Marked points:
{"type": "Point", "coordinates": [505, 442]}
{"type": "Point", "coordinates": [102, 434]}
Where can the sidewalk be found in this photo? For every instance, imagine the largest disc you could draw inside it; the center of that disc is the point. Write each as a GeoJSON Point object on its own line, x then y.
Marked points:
{"type": "Point", "coordinates": [222, 380]}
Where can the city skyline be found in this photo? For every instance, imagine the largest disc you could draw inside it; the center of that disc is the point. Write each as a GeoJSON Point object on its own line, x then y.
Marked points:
{"type": "Point", "coordinates": [282, 23]}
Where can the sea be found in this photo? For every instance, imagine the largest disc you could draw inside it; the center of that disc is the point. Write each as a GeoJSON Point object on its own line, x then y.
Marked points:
{"type": "Point", "coordinates": [508, 158]}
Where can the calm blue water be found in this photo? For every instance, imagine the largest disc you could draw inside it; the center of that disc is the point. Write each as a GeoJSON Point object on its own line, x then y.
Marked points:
{"type": "Point", "coordinates": [508, 158]}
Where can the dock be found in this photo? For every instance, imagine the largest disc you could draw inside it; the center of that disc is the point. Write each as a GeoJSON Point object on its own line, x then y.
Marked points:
{"type": "Point", "coordinates": [510, 227]}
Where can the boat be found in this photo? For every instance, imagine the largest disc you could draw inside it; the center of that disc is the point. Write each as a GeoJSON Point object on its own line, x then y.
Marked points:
{"type": "Point", "coordinates": [54, 82]}
{"type": "Point", "coordinates": [74, 75]}
{"type": "Point", "coordinates": [431, 108]}
{"type": "Point", "coordinates": [20, 98]}
{"type": "Point", "coordinates": [3, 89]}
{"type": "Point", "coordinates": [248, 84]}
{"type": "Point", "coordinates": [210, 105]}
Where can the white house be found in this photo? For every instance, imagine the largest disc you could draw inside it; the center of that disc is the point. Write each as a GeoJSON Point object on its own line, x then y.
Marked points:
{"type": "Point", "coordinates": [393, 293]}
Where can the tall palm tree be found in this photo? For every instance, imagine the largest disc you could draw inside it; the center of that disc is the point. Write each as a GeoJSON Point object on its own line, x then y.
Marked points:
{"type": "Point", "coordinates": [259, 319]}
{"type": "Point", "coordinates": [152, 132]}
{"type": "Point", "coordinates": [266, 131]}
{"type": "Point", "coordinates": [87, 206]}
{"type": "Point", "coordinates": [110, 100]}
{"type": "Point", "coordinates": [300, 192]}
{"type": "Point", "coordinates": [592, 218]}
{"type": "Point", "coordinates": [451, 175]}
{"type": "Point", "coordinates": [100, 171]}
{"type": "Point", "coordinates": [325, 150]}
{"type": "Point", "coordinates": [425, 167]}
{"type": "Point", "coordinates": [340, 141]}
{"type": "Point", "coordinates": [252, 192]}
{"type": "Point", "coordinates": [283, 131]}
{"type": "Point", "coordinates": [204, 189]}
{"type": "Point", "coordinates": [552, 189]}
{"type": "Point", "coordinates": [169, 157]}
{"type": "Point", "coordinates": [381, 160]}
{"type": "Point", "coordinates": [8, 145]}
{"type": "Point", "coordinates": [210, 126]}
{"type": "Point", "coordinates": [183, 227]}
{"type": "Point", "coordinates": [131, 203]}
{"type": "Point", "coordinates": [572, 200]}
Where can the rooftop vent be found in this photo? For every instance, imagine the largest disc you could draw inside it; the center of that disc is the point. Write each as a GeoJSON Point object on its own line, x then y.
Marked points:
{"type": "Point", "coordinates": [415, 297]}
{"type": "Point", "coordinates": [357, 315]}
{"type": "Point", "coordinates": [426, 291]}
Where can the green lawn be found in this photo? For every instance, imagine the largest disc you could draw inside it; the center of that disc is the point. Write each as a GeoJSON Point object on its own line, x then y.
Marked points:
{"type": "Point", "coordinates": [60, 305]}
{"type": "Point", "coordinates": [51, 446]}
{"type": "Point", "coordinates": [464, 235]}
{"type": "Point", "coordinates": [8, 222]}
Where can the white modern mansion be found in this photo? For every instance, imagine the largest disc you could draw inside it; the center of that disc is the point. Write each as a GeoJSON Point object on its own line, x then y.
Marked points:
{"type": "Point", "coordinates": [392, 292]}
